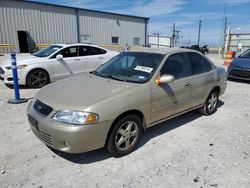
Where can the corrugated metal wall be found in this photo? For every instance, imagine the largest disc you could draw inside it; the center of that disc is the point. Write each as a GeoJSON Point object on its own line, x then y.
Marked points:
{"type": "Point", "coordinates": [101, 28]}
{"type": "Point", "coordinates": [49, 24]}
{"type": "Point", "coordinates": [45, 24]}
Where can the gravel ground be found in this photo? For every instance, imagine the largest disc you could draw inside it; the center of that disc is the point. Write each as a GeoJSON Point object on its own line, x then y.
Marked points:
{"type": "Point", "coordinates": [187, 151]}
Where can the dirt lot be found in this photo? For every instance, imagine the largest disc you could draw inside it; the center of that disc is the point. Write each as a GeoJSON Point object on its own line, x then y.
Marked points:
{"type": "Point", "coordinates": [188, 151]}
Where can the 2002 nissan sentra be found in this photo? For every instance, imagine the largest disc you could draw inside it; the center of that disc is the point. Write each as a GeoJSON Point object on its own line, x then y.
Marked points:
{"type": "Point", "coordinates": [114, 105]}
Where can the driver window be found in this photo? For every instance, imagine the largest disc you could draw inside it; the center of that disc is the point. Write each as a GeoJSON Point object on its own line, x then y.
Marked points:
{"type": "Point", "coordinates": [175, 65]}
{"type": "Point", "coordinates": [69, 52]}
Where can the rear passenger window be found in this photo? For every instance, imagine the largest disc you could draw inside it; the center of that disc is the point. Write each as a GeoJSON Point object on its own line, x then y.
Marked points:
{"type": "Point", "coordinates": [175, 65]}
{"type": "Point", "coordinates": [198, 63]}
{"type": "Point", "coordinates": [88, 50]}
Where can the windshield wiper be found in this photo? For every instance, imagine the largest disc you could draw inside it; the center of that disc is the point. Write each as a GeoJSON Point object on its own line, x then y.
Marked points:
{"type": "Point", "coordinates": [115, 78]}
{"type": "Point", "coordinates": [107, 76]}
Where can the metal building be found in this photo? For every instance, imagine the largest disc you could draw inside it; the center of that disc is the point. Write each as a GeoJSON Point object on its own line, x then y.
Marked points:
{"type": "Point", "coordinates": [239, 42]}
{"type": "Point", "coordinates": [26, 25]}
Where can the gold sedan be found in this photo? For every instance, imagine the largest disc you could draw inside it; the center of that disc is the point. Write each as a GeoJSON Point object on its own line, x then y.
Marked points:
{"type": "Point", "coordinates": [113, 105]}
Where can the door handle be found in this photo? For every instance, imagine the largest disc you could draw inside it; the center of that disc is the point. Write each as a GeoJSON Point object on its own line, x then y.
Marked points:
{"type": "Point", "coordinates": [77, 59]}
{"type": "Point", "coordinates": [212, 77]}
{"type": "Point", "coordinates": [100, 57]}
{"type": "Point", "coordinates": [187, 85]}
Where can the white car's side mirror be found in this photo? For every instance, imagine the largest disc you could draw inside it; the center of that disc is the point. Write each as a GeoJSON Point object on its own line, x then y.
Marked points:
{"type": "Point", "coordinates": [59, 57]}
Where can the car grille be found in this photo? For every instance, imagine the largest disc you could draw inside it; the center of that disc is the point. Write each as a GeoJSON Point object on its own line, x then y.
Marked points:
{"type": "Point", "coordinates": [1, 70]}
{"type": "Point", "coordinates": [47, 139]}
{"type": "Point", "coordinates": [42, 108]}
{"type": "Point", "coordinates": [241, 73]}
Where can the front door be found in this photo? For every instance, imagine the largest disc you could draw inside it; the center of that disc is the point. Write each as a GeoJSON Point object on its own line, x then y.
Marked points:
{"type": "Point", "coordinates": [172, 98]}
{"type": "Point", "coordinates": [70, 64]}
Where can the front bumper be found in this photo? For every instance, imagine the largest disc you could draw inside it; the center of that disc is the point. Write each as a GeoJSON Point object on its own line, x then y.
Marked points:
{"type": "Point", "coordinates": [239, 73]}
{"type": "Point", "coordinates": [7, 77]}
{"type": "Point", "coordinates": [64, 137]}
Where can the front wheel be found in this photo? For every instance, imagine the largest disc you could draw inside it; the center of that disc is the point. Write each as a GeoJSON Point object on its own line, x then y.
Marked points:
{"type": "Point", "coordinates": [37, 78]}
{"type": "Point", "coordinates": [125, 136]}
{"type": "Point", "coordinates": [210, 105]}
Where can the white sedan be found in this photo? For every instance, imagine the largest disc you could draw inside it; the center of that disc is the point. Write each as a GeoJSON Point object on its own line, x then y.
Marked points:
{"type": "Point", "coordinates": [55, 62]}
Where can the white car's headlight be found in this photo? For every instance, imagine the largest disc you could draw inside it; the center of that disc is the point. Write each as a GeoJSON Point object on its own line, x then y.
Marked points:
{"type": "Point", "coordinates": [18, 67]}
{"type": "Point", "coordinates": [76, 117]}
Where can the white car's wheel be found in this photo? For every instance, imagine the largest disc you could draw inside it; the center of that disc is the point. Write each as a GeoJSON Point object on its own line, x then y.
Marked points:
{"type": "Point", "coordinates": [37, 78]}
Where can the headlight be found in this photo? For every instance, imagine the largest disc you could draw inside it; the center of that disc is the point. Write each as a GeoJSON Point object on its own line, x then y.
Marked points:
{"type": "Point", "coordinates": [18, 67]}
{"type": "Point", "coordinates": [76, 117]}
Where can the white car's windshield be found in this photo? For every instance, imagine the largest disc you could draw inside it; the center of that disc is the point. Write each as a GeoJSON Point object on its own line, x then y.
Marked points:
{"type": "Point", "coordinates": [135, 67]}
{"type": "Point", "coordinates": [45, 52]}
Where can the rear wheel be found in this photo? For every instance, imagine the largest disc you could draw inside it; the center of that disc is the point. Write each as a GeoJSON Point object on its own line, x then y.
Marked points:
{"type": "Point", "coordinates": [210, 105]}
{"type": "Point", "coordinates": [37, 78]}
{"type": "Point", "coordinates": [125, 136]}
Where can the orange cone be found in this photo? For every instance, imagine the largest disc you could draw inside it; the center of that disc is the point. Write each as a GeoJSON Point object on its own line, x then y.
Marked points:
{"type": "Point", "coordinates": [228, 58]}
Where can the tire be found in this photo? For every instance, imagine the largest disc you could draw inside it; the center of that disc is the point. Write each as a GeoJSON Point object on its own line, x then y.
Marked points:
{"type": "Point", "coordinates": [125, 136]}
{"type": "Point", "coordinates": [210, 106]}
{"type": "Point", "coordinates": [37, 78]}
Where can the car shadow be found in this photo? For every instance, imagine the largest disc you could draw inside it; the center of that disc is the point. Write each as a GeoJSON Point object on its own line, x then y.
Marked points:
{"type": "Point", "coordinates": [238, 80]}
{"type": "Point", "coordinates": [152, 132]}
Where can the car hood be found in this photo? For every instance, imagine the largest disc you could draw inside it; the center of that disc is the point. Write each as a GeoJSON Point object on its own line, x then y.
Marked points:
{"type": "Point", "coordinates": [79, 92]}
{"type": "Point", "coordinates": [242, 62]}
{"type": "Point", "coordinates": [20, 59]}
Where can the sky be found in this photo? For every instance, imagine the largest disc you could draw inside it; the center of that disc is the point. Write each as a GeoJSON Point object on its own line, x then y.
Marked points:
{"type": "Point", "coordinates": [184, 13]}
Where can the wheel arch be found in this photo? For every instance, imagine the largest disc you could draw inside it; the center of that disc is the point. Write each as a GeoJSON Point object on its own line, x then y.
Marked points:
{"type": "Point", "coordinates": [129, 112]}
{"type": "Point", "coordinates": [26, 80]}
{"type": "Point", "coordinates": [217, 89]}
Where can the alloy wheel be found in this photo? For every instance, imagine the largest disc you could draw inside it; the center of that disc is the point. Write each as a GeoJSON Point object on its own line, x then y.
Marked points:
{"type": "Point", "coordinates": [126, 135]}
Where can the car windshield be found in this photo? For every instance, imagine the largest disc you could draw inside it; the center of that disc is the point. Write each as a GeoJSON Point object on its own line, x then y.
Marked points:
{"type": "Point", "coordinates": [245, 54]}
{"type": "Point", "coordinates": [137, 67]}
{"type": "Point", "coordinates": [45, 52]}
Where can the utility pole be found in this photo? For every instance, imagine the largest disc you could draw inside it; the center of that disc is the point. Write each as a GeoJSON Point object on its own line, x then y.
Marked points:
{"type": "Point", "coordinates": [199, 33]}
{"type": "Point", "coordinates": [225, 28]}
{"type": "Point", "coordinates": [173, 35]}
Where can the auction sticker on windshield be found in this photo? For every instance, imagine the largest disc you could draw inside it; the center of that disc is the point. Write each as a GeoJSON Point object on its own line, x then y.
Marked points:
{"type": "Point", "coordinates": [143, 69]}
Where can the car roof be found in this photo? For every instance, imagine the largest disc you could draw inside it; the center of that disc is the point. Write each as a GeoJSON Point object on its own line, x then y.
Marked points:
{"type": "Point", "coordinates": [163, 50]}
{"type": "Point", "coordinates": [78, 44]}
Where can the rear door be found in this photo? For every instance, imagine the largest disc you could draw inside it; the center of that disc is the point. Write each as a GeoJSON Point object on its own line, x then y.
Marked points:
{"type": "Point", "coordinates": [69, 65]}
{"type": "Point", "coordinates": [203, 77]}
{"type": "Point", "coordinates": [94, 57]}
{"type": "Point", "coordinates": [172, 98]}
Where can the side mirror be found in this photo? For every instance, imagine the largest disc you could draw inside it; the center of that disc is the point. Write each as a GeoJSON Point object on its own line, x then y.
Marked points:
{"type": "Point", "coordinates": [59, 57]}
{"type": "Point", "coordinates": [164, 79]}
